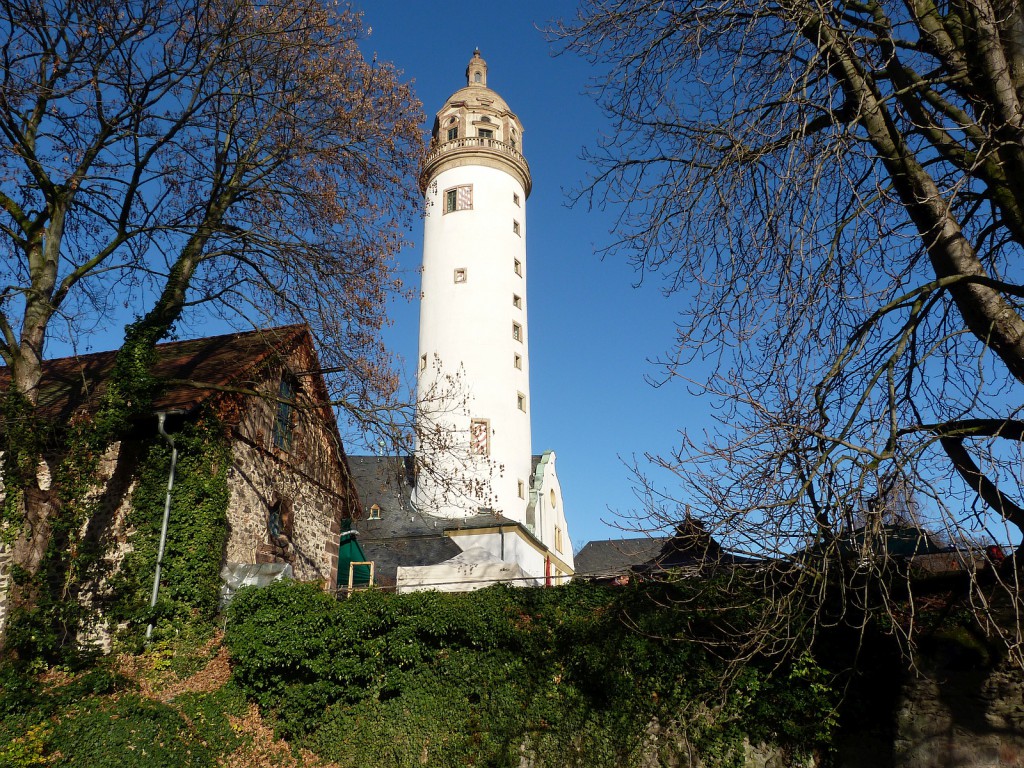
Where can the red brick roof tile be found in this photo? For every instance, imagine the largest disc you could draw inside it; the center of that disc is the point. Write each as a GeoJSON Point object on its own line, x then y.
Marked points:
{"type": "Point", "coordinates": [216, 361]}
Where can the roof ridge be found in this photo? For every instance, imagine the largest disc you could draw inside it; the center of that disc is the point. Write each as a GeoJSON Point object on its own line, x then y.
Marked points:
{"type": "Point", "coordinates": [167, 344]}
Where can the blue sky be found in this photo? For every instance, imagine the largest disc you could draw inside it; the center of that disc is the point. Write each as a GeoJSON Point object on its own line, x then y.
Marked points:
{"type": "Point", "coordinates": [592, 331]}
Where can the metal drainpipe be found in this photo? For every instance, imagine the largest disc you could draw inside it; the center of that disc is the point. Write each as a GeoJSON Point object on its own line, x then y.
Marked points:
{"type": "Point", "coordinates": [160, 418]}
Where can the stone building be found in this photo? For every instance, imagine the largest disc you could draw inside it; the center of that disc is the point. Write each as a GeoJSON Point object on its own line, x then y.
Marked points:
{"type": "Point", "coordinates": [291, 495]}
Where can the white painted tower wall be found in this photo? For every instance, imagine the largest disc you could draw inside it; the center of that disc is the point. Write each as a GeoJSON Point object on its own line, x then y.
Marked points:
{"type": "Point", "coordinates": [472, 308]}
{"type": "Point", "coordinates": [474, 362]}
{"type": "Point", "coordinates": [474, 365]}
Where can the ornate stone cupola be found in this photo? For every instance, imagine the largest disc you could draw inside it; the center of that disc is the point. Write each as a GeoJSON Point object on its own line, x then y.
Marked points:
{"type": "Point", "coordinates": [476, 127]}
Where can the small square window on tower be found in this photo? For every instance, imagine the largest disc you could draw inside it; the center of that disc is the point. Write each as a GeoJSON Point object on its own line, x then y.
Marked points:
{"type": "Point", "coordinates": [517, 265]}
{"type": "Point", "coordinates": [521, 486]}
{"type": "Point", "coordinates": [515, 198]}
{"type": "Point", "coordinates": [460, 274]}
{"type": "Point", "coordinates": [521, 401]}
{"type": "Point", "coordinates": [517, 301]}
{"type": "Point", "coordinates": [453, 133]}
{"type": "Point", "coordinates": [480, 437]}
{"type": "Point", "coordinates": [517, 331]}
{"type": "Point", "coordinates": [458, 198]}
{"type": "Point", "coordinates": [517, 361]}
{"type": "Point", "coordinates": [423, 362]}
{"type": "Point", "coordinates": [515, 227]}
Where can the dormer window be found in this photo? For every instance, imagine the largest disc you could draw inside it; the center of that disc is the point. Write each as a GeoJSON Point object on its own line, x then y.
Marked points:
{"type": "Point", "coordinates": [374, 512]}
{"type": "Point", "coordinates": [453, 133]}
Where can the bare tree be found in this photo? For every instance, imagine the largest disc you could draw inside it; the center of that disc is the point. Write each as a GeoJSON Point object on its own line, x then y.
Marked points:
{"type": "Point", "coordinates": [835, 191]}
{"type": "Point", "coordinates": [192, 158]}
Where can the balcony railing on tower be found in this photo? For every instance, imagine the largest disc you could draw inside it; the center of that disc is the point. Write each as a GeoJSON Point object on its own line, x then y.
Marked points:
{"type": "Point", "coordinates": [475, 144]}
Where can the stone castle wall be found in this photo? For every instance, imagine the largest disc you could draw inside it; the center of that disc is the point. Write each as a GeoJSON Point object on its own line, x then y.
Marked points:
{"type": "Point", "coordinates": [258, 481]}
{"type": "Point", "coordinates": [961, 718]}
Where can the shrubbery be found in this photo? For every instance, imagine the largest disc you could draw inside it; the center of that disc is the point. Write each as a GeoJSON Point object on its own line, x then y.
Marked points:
{"type": "Point", "coordinates": [574, 676]}
{"type": "Point", "coordinates": [99, 719]}
{"type": "Point", "coordinates": [580, 675]}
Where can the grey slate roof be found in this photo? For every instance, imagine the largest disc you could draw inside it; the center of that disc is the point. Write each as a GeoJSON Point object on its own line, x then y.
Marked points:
{"type": "Point", "coordinates": [404, 535]}
{"type": "Point", "coordinates": [691, 548]}
{"type": "Point", "coordinates": [613, 557]}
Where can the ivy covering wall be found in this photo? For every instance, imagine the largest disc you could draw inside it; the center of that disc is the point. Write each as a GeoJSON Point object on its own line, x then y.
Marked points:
{"type": "Point", "coordinates": [196, 534]}
{"type": "Point", "coordinates": [95, 594]}
{"type": "Point", "coordinates": [575, 676]}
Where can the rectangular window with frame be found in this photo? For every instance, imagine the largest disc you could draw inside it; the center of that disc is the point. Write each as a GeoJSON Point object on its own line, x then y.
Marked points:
{"type": "Point", "coordinates": [485, 133]}
{"type": "Point", "coordinates": [283, 417]}
{"type": "Point", "coordinates": [453, 134]}
{"type": "Point", "coordinates": [521, 488]}
{"type": "Point", "coordinates": [515, 228]}
{"type": "Point", "coordinates": [558, 538]}
{"type": "Point", "coordinates": [460, 274]}
{"type": "Point", "coordinates": [423, 362]}
{"type": "Point", "coordinates": [517, 361]}
{"type": "Point", "coordinates": [458, 198]}
{"type": "Point", "coordinates": [517, 301]}
{"type": "Point", "coordinates": [480, 437]}
{"type": "Point", "coordinates": [521, 401]}
{"type": "Point", "coordinates": [515, 198]}
{"type": "Point", "coordinates": [517, 266]}
{"type": "Point", "coordinates": [517, 331]}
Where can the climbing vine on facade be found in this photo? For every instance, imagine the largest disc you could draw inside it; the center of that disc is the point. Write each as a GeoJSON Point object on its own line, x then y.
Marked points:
{"type": "Point", "coordinates": [196, 534]}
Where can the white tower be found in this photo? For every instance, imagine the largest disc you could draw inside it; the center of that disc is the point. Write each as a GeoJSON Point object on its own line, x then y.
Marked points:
{"type": "Point", "coordinates": [474, 365]}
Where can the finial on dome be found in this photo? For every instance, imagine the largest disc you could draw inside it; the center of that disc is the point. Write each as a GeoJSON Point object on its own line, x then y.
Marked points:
{"type": "Point", "coordinates": [476, 72]}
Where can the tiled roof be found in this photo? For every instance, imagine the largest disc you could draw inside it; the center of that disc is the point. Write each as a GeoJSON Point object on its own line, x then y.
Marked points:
{"type": "Point", "coordinates": [199, 367]}
{"type": "Point", "coordinates": [404, 535]}
{"type": "Point", "coordinates": [612, 557]}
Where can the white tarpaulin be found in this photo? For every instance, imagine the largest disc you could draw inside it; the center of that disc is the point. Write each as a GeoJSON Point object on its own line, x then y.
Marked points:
{"type": "Point", "coordinates": [234, 576]}
{"type": "Point", "coordinates": [475, 568]}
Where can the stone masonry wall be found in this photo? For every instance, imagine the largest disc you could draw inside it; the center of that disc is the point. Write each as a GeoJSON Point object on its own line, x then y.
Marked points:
{"type": "Point", "coordinates": [257, 479]}
{"type": "Point", "coordinates": [106, 531]}
{"type": "Point", "coordinates": [308, 476]}
{"type": "Point", "coordinates": [961, 718]}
